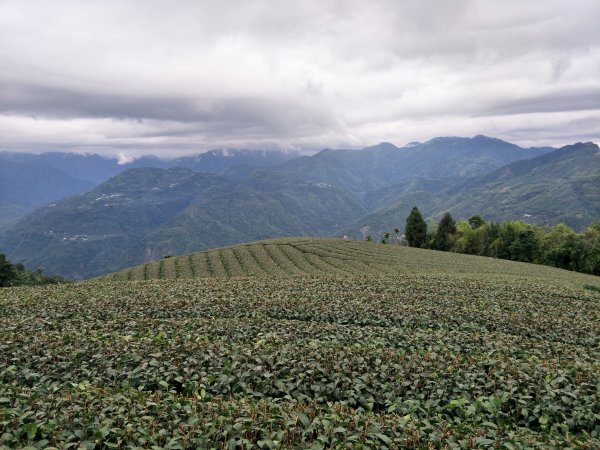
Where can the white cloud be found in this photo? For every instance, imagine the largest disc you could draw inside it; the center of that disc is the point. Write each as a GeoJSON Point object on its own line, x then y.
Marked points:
{"type": "Point", "coordinates": [124, 158]}
{"type": "Point", "coordinates": [181, 77]}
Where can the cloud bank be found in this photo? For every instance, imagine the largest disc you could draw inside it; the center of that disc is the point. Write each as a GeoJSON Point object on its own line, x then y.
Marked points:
{"type": "Point", "coordinates": [178, 77]}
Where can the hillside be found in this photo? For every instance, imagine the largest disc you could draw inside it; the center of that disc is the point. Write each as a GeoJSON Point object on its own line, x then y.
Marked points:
{"type": "Point", "coordinates": [25, 186]}
{"type": "Point", "coordinates": [264, 205]}
{"type": "Point", "coordinates": [328, 256]}
{"type": "Point", "coordinates": [96, 231]}
{"type": "Point", "coordinates": [333, 193]}
{"type": "Point", "coordinates": [562, 186]}
{"type": "Point", "coordinates": [96, 169]}
{"type": "Point", "coordinates": [423, 350]}
{"type": "Point", "coordinates": [143, 214]}
{"type": "Point", "coordinates": [373, 168]}
{"type": "Point", "coordinates": [29, 180]}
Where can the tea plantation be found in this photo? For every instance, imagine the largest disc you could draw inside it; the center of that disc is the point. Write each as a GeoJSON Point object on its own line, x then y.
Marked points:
{"type": "Point", "coordinates": [322, 256]}
{"type": "Point", "coordinates": [305, 343]}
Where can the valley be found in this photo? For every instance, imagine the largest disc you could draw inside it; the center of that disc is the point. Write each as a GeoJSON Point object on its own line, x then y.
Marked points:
{"type": "Point", "coordinates": [143, 214]}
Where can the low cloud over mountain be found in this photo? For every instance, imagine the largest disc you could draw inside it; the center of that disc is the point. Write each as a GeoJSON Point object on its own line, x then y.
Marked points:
{"type": "Point", "coordinates": [114, 77]}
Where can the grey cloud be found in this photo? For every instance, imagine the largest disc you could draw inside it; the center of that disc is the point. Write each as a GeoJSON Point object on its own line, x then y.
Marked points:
{"type": "Point", "coordinates": [62, 103]}
{"type": "Point", "coordinates": [273, 115]}
{"type": "Point", "coordinates": [569, 100]}
{"type": "Point", "coordinates": [192, 75]}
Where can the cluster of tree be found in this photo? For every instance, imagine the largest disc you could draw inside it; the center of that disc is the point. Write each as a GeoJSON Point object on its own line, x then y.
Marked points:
{"type": "Point", "coordinates": [557, 246]}
{"type": "Point", "coordinates": [19, 275]}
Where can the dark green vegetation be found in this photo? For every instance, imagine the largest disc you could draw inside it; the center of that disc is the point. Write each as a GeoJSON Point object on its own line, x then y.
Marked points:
{"type": "Point", "coordinates": [416, 228]}
{"type": "Point", "coordinates": [428, 349]}
{"type": "Point", "coordinates": [18, 275]}
{"type": "Point", "coordinates": [147, 213]}
{"type": "Point", "coordinates": [135, 217]}
{"type": "Point", "coordinates": [557, 246]}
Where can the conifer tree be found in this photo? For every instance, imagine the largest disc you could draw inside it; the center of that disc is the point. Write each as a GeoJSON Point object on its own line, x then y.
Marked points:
{"type": "Point", "coordinates": [416, 228]}
{"type": "Point", "coordinates": [446, 228]}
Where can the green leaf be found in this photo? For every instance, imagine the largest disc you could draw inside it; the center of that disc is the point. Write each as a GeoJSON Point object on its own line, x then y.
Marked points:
{"type": "Point", "coordinates": [304, 419]}
{"type": "Point", "coordinates": [384, 438]}
{"type": "Point", "coordinates": [31, 429]}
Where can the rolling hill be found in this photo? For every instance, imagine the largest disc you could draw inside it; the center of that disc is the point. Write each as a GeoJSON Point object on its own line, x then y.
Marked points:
{"type": "Point", "coordinates": [326, 256]}
{"type": "Point", "coordinates": [422, 349]}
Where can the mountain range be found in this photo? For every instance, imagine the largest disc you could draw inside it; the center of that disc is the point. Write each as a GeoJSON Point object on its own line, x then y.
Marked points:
{"type": "Point", "coordinates": [147, 213]}
{"type": "Point", "coordinates": [562, 186]}
{"type": "Point", "coordinates": [29, 180]}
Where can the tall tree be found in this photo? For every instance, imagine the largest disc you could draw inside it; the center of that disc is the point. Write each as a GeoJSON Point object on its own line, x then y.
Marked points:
{"type": "Point", "coordinates": [562, 247]}
{"type": "Point", "coordinates": [416, 228]}
{"type": "Point", "coordinates": [591, 263]}
{"type": "Point", "coordinates": [8, 274]}
{"type": "Point", "coordinates": [445, 231]}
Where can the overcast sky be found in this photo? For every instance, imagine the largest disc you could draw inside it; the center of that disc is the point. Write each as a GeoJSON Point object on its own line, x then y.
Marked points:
{"type": "Point", "coordinates": [180, 77]}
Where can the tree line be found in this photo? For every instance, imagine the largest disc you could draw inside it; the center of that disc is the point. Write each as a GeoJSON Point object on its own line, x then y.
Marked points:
{"type": "Point", "coordinates": [18, 275]}
{"type": "Point", "coordinates": [556, 246]}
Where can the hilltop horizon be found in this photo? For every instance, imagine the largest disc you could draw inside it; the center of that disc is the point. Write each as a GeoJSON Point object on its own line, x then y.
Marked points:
{"type": "Point", "coordinates": [124, 158]}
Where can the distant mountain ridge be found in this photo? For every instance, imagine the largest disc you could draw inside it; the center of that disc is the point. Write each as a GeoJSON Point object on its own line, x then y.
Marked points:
{"type": "Point", "coordinates": [26, 186]}
{"type": "Point", "coordinates": [449, 158]}
{"type": "Point", "coordinates": [558, 187]}
{"type": "Point", "coordinates": [97, 169]}
{"type": "Point", "coordinates": [146, 213]}
{"type": "Point", "coordinates": [562, 186]}
{"type": "Point", "coordinates": [30, 180]}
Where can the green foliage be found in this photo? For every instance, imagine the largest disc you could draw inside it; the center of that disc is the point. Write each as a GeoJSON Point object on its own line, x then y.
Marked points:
{"type": "Point", "coordinates": [557, 246]}
{"type": "Point", "coordinates": [444, 234]}
{"type": "Point", "coordinates": [591, 261]}
{"type": "Point", "coordinates": [144, 214]}
{"type": "Point", "coordinates": [8, 272]}
{"type": "Point", "coordinates": [469, 240]}
{"type": "Point", "coordinates": [18, 275]}
{"type": "Point", "coordinates": [476, 221]}
{"type": "Point", "coordinates": [416, 228]}
{"type": "Point", "coordinates": [458, 351]}
{"type": "Point", "coordinates": [562, 247]}
{"type": "Point", "coordinates": [316, 257]}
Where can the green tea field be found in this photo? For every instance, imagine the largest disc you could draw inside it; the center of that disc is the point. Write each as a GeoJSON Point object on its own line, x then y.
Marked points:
{"type": "Point", "coordinates": [305, 343]}
{"type": "Point", "coordinates": [322, 256]}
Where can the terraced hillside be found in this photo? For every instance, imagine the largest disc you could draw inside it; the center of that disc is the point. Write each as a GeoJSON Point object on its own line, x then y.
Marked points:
{"type": "Point", "coordinates": [420, 350]}
{"type": "Point", "coordinates": [325, 256]}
